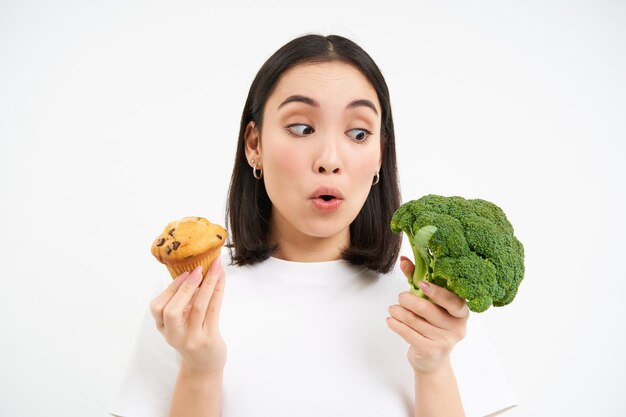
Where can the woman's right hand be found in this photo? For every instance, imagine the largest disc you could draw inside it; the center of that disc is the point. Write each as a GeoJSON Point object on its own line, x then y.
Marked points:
{"type": "Point", "coordinates": [187, 315]}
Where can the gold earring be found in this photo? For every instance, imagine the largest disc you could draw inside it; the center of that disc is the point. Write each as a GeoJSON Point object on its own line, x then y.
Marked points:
{"type": "Point", "coordinates": [254, 173]}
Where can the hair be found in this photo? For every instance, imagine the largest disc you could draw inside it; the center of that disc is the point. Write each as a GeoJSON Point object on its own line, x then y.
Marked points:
{"type": "Point", "coordinates": [248, 209]}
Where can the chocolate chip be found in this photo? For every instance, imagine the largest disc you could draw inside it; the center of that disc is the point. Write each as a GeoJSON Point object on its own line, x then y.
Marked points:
{"type": "Point", "coordinates": [198, 218]}
{"type": "Point", "coordinates": [168, 250]}
{"type": "Point", "coordinates": [219, 237]}
{"type": "Point", "coordinates": [176, 245]}
{"type": "Point", "coordinates": [171, 232]}
{"type": "Point", "coordinates": [160, 242]}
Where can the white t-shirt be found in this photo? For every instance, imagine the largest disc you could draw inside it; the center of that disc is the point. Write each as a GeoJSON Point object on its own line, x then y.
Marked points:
{"type": "Point", "coordinates": [310, 340]}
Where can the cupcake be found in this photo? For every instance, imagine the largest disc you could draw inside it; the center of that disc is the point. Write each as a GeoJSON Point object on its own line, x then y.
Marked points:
{"type": "Point", "coordinates": [187, 243]}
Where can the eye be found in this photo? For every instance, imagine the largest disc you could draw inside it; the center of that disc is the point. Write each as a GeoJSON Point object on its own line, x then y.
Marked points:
{"type": "Point", "coordinates": [361, 136]}
{"type": "Point", "coordinates": [300, 129]}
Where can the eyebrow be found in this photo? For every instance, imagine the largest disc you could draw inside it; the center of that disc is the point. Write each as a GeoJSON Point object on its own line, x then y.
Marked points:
{"type": "Point", "coordinates": [311, 102]}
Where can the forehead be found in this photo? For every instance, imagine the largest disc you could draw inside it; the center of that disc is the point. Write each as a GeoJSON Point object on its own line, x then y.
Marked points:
{"type": "Point", "coordinates": [325, 81]}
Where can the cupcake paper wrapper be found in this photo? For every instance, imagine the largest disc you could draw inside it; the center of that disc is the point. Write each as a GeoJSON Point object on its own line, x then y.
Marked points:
{"type": "Point", "coordinates": [205, 261]}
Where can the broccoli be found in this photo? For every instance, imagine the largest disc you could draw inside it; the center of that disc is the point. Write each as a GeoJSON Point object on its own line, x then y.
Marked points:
{"type": "Point", "coordinates": [466, 246]}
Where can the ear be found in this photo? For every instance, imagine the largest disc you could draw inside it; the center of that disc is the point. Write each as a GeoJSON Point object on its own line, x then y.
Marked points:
{"type": "Point", "coordinates": [253, 143]}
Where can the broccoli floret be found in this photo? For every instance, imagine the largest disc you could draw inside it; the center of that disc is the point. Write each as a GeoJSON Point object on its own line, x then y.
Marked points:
{"type": "Point", "coordinates": [466, 246]}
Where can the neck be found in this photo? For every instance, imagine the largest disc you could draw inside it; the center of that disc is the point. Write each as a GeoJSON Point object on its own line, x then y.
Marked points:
{"type": "Point", "coordinates": [298, 247]}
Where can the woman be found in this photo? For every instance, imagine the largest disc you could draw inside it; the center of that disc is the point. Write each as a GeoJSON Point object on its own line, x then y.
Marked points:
{"type": "Point", "coordinates": [312, 193]}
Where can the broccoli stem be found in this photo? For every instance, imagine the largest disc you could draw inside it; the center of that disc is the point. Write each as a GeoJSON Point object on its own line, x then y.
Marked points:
{"type": "Point", "coordinates": [423, 258]}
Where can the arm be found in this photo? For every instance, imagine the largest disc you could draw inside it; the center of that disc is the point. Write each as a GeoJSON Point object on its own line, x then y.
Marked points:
{"type": "Point", "coordinates": [436, 394]}
{"type": "Point", "coordinates": [197, 394]}
{"type": "Point", "coordinates": [432, 327]}
{"type": "Point", "coordinates": [188, 318]}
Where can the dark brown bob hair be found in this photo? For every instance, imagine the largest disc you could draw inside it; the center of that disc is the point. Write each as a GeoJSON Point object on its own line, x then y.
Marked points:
{"type": "Point", "coordinates": [248, 209]}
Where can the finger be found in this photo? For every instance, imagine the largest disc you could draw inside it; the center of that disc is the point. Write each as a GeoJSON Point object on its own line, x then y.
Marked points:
{"type": "Point", "coordinates": [425, 309]}
{"type": "Point", "coordinates": [173, 311]}
{"type": "Point", "coordinates": [409, 335]}
{"type": "Point", "coordinates": [454, 304]}
{"type": "Point", "coordinates": [406, 266]}
{"type": "Point", "coordinates": [415, 322]}
{"type": "Point", "coordinates": [199, 308]}
{"type": "Point", "coordinates": [215, 306]}
{"type": "Point", "coordinates": [158, 303]}
{"type": "Point", "coordinates": [187, 308]}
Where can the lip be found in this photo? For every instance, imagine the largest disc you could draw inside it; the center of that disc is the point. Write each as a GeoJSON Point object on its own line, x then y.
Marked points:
{"type": "Point", "coordinates": [327, 190]}
{"type": "Point", "coordinates": [327, 206]}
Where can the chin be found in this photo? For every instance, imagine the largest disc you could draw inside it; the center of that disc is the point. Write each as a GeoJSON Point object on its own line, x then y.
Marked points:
{"type": "Point", "coordinates": [324, 228]}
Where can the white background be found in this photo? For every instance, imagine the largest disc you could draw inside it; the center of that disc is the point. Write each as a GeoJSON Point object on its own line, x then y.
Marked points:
{"type": "Point", "coordinates": [119, 116]}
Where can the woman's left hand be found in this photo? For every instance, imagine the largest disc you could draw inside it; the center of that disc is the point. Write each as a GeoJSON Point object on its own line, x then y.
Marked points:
{"type": "Point", "coordinates": [432, 327]}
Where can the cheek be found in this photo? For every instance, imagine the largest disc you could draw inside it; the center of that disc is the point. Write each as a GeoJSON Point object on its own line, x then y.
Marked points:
{"type": "Point", "coordinates": [361, 173]}
{"type": "Point", "coordinates": [281, 160]}
{"type": "Point", "coordinates": [366, 167]}
{"type": "Point", "coordinates": [364, 170]}
{"type": "Point", "coordinates": [283, 165]}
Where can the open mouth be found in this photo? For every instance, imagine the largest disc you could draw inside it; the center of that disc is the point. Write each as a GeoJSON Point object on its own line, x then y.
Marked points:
{"type": "Point", "coordinates": [327, 198]}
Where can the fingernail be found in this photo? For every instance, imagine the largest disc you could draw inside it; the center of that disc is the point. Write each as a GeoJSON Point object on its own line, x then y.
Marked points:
{"type": "Point", "coordinates": [403, 258]}
{"type": "Point", "coordinates": [196, 275]}
{"type": "Point", "coordinates": [215, 266]}
{"type": "Point", "coordinates": [425, 286]}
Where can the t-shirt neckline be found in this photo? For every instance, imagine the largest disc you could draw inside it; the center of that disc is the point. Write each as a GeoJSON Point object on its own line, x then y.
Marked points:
{"type": "Point", "coordinates": [323, 273]}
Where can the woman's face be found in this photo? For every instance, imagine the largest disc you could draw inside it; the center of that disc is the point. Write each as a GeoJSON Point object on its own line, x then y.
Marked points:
{"type": "Point", "coordinates": [321, 129]}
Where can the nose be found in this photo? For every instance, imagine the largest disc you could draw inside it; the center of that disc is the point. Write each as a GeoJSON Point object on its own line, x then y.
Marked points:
{"type": "Point", "coordinates": [329, 160]}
